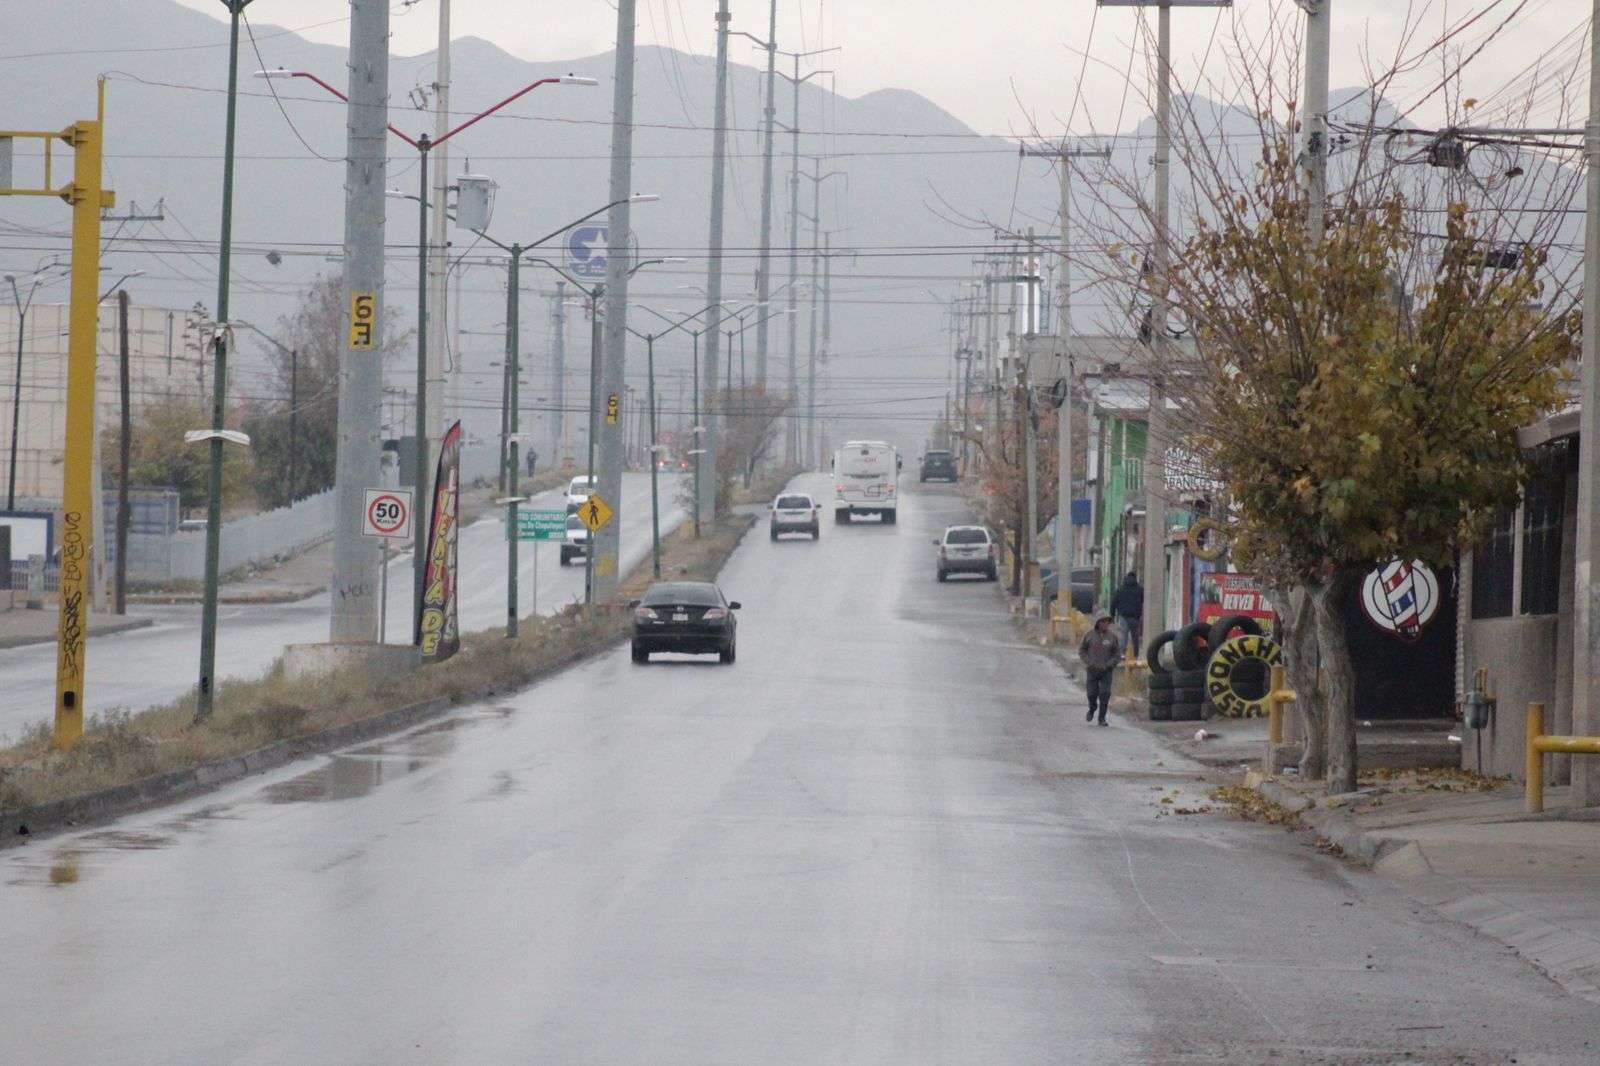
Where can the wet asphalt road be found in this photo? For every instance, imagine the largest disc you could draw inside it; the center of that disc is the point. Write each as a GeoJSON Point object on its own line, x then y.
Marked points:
{"type": "Point", "coordinates": [144, 667]}
{"type": "Point", "coordinates": [885, 835]}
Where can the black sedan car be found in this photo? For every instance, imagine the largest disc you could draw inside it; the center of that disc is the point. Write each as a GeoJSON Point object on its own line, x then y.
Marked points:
{"type": "Point", "coordinates": [685, 616]}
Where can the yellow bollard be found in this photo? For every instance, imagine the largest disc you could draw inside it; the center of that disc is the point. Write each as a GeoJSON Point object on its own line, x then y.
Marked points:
{"type": "Point", "coordinates": [1277, 696]}
{"type": "Point", "coordinates": [1533, 789]}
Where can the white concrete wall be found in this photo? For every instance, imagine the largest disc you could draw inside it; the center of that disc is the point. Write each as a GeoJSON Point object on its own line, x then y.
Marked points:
{"type": "Point", "coordinates": [260, 538]}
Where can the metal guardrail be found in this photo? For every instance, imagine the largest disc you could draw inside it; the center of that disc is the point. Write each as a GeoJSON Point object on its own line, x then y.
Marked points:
{"type": "Point", "coordinates": [1541, 744]}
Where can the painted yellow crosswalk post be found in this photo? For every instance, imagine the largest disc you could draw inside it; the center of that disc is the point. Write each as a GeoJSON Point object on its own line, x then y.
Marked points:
{"type": "Point", "coordinates": [87, 198]}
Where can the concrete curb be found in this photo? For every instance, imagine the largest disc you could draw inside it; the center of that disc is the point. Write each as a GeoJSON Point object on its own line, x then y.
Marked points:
{"type": "Point", "coordinates": [230, 599]}
{"type": "Point", "coordinates": [103, 630]}
{"type": "Point", "coordinates": [1566, 959]}
{"type": "Point", "coordinates": [90, 808]}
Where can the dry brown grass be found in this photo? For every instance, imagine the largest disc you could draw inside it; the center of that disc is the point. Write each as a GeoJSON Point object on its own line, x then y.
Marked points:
{"type": "Point", "coordinates": [763, 487]}
{"type": "Point", "coordinates": [120, 748]}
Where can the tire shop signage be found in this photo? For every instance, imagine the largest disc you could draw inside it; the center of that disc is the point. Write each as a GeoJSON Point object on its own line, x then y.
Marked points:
{"type": "Point", "coordinates": [1230, 594]}
{"type": "Point", "coordinates": [1236, 675]}
{"type": "Point", "coordinates": [1401, 598]}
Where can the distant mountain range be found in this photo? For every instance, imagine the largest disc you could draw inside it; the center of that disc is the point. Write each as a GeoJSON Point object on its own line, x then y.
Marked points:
{"type": "Point", "coordinates": [918, 194]}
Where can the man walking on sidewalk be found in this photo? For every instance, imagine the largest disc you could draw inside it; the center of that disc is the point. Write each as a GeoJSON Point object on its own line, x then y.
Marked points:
{"type": "Point", "coordinates": [1127, 603]}
{"type": "Point", "coordinates": [1100, 652]}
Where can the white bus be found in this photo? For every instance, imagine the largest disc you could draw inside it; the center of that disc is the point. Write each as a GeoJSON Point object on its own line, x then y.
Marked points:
{"type": "Point", "coordinates": [866, 476]}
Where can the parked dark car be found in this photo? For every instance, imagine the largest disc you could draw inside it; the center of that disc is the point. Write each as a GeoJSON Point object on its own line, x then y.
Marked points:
{"type": "Point", "coordinates": [685, 616]}
{"type": "Point", "coordinates": [937, 465]}
{"type": "Point", "coordinates": [1085, 584]}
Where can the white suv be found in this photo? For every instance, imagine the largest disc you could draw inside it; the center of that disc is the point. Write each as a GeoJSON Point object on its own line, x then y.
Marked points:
{"type": "Point", "coordinates": [795, 512]}
{"type": "Point", "coordinates": [967, 550]}
{"type": "Point", "coordinates": [578, 492]}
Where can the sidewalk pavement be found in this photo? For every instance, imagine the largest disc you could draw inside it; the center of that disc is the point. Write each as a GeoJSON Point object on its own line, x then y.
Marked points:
{"type": "Point", "coordinates": [20, 627]}
{"type": "Point", "coordinates": [1466, 848]}
{"type": "Point", "coordinates": [1458, 843]}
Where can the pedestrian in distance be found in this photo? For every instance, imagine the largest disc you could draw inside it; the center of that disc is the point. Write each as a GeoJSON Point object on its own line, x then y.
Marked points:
{"type": "Point", "coordinates": [1100, 652]}
{"type": "Point", "coordinates": [1127, 603]}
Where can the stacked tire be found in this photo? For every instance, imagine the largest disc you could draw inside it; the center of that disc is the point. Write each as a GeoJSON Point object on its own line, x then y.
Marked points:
{"type": "Point", "coordinates": [1221, 630]}
{"type": "Point", "coordinates": [1177, 691]}
{"type": "Point", "coordinates": [1178, 659]}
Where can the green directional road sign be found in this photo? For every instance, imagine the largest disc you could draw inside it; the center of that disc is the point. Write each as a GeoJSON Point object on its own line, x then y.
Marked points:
{"type": "Point", "coordinates": [541, 525]}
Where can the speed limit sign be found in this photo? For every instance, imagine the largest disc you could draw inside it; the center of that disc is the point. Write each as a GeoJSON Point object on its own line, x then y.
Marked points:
{"type": "Point", "coordinates": [388, 514]}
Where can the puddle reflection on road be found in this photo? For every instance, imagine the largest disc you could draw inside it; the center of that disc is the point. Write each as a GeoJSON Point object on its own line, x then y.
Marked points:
{"type": "Point", "coordinates": [342, 778]}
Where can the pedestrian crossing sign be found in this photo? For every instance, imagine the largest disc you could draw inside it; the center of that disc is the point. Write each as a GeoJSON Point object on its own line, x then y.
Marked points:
{"type": "Point", "coordinates": [595, 512]}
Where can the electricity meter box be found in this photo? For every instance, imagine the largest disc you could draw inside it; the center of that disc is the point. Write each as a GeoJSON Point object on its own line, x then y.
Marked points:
{"type": "Point", "coordinates": [474, 201]}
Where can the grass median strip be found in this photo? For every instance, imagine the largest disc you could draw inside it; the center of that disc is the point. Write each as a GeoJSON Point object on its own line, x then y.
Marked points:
{"type": "Point", "coordinates": [121, 748]}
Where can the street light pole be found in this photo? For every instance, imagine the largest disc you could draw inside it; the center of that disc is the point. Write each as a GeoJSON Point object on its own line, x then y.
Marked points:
{"type": "Point", "coordinates": [513, 538]}
{"type": "Point", "coordinates": [420, 481]}
{"type": "Point", "coordinates": [219, 385]}
{"type": "Point", "coordinates": [16, 387]}
{"type": "Point", "coordinates": [655, 492]}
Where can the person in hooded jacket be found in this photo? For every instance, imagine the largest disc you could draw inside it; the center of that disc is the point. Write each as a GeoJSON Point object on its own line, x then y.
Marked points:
{"type": "Point", "coordinates": [1100, 652]}
{"type": "Point", "coordinates": [1127, 603]}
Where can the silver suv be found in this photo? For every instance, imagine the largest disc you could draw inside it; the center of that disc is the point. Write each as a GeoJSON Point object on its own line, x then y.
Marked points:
{"type": "Point", "coordinates": [967, 550]}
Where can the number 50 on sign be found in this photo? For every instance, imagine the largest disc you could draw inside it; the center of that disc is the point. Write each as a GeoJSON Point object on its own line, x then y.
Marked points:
{"type": "Point", "coordinates": [387, 514]}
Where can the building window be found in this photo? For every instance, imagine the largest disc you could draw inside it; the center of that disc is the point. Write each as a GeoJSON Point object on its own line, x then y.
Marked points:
{"type": "Point", "coordinates": [1544, 512]}
{"type": "Point", "coordinates": [1491, 569]}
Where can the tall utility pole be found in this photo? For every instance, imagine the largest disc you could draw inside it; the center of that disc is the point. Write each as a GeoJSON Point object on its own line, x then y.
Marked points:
{"type": "Point", "coordinates": [1315, 114]}
{"type": "Point", "coordinates": [791, 437]}
{"type": "Point", "coordinates": [558, 379]}
{"type": "Point", "coordinates": [606, 542]}
{"type": "Point", "coordinates": [706, 462]}
{"type": "Point", "coordinates": [1586, 632]}
{"type": "Point", "coordinates": [764, 267]}
{"type": "Point", "coordinates": [827, 307]}
{"type": "Point", "coordinates": [1155, 500]}
{"type": "Point", "coordinates": [1155, 505]}
{"type": "Point", "coordinates": [354, 604]}
{"type": "Point", "coordinates": [439, 244]}
{"type": "Point", "coordinates": [1065, 533]}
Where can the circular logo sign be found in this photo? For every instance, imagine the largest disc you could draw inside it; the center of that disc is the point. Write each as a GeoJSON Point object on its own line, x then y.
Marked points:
{"type": "Point", "coordinates": [1400, 598]}
{"type": "Point", "coordinates": [386, 514]}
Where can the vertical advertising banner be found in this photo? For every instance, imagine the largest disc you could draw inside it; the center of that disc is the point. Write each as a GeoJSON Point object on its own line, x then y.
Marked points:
{"type": "Point", "coordinates": [441, 635]}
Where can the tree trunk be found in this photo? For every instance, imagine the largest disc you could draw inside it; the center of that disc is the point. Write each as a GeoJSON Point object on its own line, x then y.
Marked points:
{"type": "Point", "coordinates": [1301, 659]}
{"type": "Point", "coordinates": [1339, 671]}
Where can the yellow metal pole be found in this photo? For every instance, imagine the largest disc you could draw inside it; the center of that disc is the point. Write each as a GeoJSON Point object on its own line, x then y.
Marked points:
{"type": "Point", "coordinates": [1275, 707]}
{"type": "Point", "coordinates": [1533, 789]}
{"type": "Point", "coordinates": [77, 528]}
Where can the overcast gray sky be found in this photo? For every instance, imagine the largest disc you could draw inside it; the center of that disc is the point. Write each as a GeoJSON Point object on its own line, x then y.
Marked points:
{"type": "Point", "coordinates": [991, 64]}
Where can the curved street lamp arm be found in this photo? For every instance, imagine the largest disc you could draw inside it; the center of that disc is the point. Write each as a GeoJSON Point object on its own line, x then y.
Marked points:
{"type": "Point", "coordinates": [306, 74]}
{"type": "Point", "coordinates": [577, 222]}
{"type": "Point", "coordinates": [525, 90]}
{"type": "Point", "coordinates": [580, 286]}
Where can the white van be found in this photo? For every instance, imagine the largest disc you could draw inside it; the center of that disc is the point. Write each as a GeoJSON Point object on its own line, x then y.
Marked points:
{"type": "Point", "coordinates": [866, 476]}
